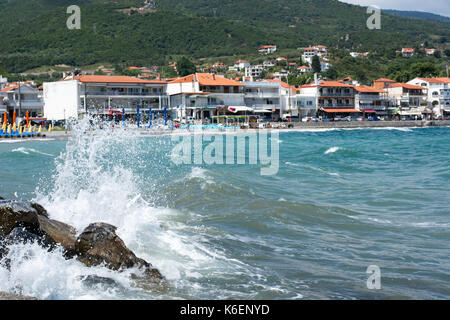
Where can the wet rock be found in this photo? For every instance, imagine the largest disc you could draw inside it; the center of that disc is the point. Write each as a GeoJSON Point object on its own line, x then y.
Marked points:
{"type": "Point", "coordinates": [21, 235]}
{"type": "Point", "coordinates": [99, 244]}
{"type": "Point", "coordinates": [59, 232]}
{"type": "Point", "coordinates": [15, 214]}
{"type": "Point", "coordinates": [39, 209]}
{"type": "Point", "coordinates": [96, 281]}
{"type": "Point", "coordinates": [11, 296]}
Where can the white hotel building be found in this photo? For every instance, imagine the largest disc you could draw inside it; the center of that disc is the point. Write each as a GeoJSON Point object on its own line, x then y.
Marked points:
{"type": "Point", "coordinates": [75, 96]}
{"type": "Point", "coordinates": [438, 93]}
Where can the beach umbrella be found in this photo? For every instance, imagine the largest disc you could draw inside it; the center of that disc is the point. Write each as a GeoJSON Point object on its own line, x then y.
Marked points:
{"type": "Point", "coordinates": [5, 120]}
{"type": "Point", "coordinates": [28, 118]}
{"type": "Point", "coordinates": [123, 115]}
{"type": "Point", "coordinates": [14, 117]}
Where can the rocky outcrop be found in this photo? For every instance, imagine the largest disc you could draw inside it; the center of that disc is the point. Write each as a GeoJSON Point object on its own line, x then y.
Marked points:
{"type": "Point", "coordinates": [97, 245]}
{"type": "Point", "coordinates": [10, 296]}
{"type": "Point", "coordinates": [15, 214]}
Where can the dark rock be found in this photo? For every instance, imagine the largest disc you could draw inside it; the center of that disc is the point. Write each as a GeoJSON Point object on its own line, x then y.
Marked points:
{"type": "Point", "coordinates": [59, 232]}
{"type": "Point", "coordinates": [21, 235]}
{"type": "Point", "coordinates": [96, 281]}
{"type": "Point", "coordinates": [99, 244]}
{"type": "Point", "coordinates": [15, 214]}
{"type": "Point", "coordinates": [39, 209]}
{"type": "Point", "coordinates": [1, 198]}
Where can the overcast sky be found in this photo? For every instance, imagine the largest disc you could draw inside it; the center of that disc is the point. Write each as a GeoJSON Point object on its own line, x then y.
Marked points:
{"type": "Point", "coordinates": [441, 7]}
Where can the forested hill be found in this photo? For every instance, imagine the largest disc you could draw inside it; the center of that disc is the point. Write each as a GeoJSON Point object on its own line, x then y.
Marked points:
{"type": "Point", "coordinates": [34, 32]}
{"type": "Point", "coordinates": [419, 15]}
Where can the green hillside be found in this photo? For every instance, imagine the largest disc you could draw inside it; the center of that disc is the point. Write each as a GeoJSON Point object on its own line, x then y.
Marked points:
{"type": "Point", "coordinates": [36, 34]}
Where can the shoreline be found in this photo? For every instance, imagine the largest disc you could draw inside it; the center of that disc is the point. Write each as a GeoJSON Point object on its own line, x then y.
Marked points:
{"type": "Point", "coordinates": [295, 126]}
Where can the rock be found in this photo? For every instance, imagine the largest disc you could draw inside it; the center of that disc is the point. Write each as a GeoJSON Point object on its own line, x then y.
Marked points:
{"type": "Point", "coordinates": [59, 232]}
{"type": "Point", "coordinates": [99, 244]}
{"type": "Point", "coordinates": [21, 235]}
{"type": "Point", "coordinates": [15, 214]}
{"type": "Point", "coordinates": [1, 198]}
{"type": "Point", "coordinates": [12, 296]}
{"type": "Point", "coordinates": [96, 281]}
{"type": "Point", "coordinates": [39, 209]}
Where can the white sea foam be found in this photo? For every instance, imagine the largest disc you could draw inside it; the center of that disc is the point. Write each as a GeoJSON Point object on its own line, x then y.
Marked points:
{"type": "Point", "coordinates": [332, 150]}
{"type": "Point", "coordinates": [30, 151]}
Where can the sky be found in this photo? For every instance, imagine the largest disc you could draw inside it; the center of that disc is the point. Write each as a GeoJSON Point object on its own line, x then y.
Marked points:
{"type": "Point", "coordinates": [441, 7]}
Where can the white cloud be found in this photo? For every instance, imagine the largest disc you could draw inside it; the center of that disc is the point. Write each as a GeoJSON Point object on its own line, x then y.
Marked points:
{"type": "Point", "coordinates": [441, 7]}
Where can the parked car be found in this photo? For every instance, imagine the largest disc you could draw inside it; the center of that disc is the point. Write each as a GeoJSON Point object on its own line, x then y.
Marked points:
{"type": "Point", "coordinates": [375, 118]}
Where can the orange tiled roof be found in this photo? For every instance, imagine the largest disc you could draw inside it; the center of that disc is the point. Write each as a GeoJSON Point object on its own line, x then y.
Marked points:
{"type": "Point", "coordinates": [10, 88]}
{"type": "Point", "coordinates": [266, 47]}
{"type": "Point", "coordinates": [405, 86]}
{"type": "Point", "coordinates": [113, 79]}
{"type": "Point", "coordinates": [436, 80]}
{"type": "Point", "coordinates": [367, 89]}
{"type": "Point", "coordinates": [334, 84]}
{"type": "Point", "coordinates": [208, 79]}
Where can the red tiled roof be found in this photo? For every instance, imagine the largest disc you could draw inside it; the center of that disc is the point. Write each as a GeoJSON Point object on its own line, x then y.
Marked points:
{"type": "Point", "coordinates": [436, 80]}
{"type": "Point", "coordinates": [334, 84]}
{"type": "Point", "coordinates": [405, 86]}
{"type": "Point", "coordinates": [367, 89]}
{"type": "Point", "coordinates": [207, 79]}
{"type": "Point", "coordinates": [10, 88]}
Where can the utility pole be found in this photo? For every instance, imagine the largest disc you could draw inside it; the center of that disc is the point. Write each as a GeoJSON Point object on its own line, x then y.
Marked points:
{"type": "Point", "coordinates": [20, 95]}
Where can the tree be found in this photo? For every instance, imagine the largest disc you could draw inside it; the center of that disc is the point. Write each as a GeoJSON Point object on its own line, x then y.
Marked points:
{"type": "Point", "coordinates": [426, 69]}
{"type": "Point", "coordinates": [3, 72]}
{"type": "Point", "coordinates": [316, 64]}
{"type": "Point", "coordinates": [331, 74]}
{"type": "Point", "coordinates": [447, 52]}
{"type": "Point", "coordinates": [437, 54]}
{"type": "Point", "coordinates": [185, 67]}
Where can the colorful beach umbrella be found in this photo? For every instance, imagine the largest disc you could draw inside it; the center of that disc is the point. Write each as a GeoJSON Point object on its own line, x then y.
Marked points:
{"type": "Point", "coordinates": [14, 117]}
{"type": "Point", "coordinates": [5, 120]}
{"type": "Point", "coordinates": [28, 118]}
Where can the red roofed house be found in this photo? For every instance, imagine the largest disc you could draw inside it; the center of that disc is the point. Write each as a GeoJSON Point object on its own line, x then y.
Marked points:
{"type": "Point", "coordinates": [23, 99]}
{"type": "Point", "coordinates": [382, 83]}
{"type": "Point", "coordinates": [333, 98]}
{"type": "Point", "coordinates": [77, 95]}
{"type": "Point", "coordinates": [241, 64]}
{"type": "Point", "coordinates": [371, 100]}
{"type": "Point", "coordinates": [438, 94]}
{"type": "Point", "coordinates": [411, 100]}
{"type": "Point", "coordinates": [267, 49]}
{"type": "Point", "coordinates": [305, 69]}
{"type": "Point", "coordinates": [199, 95]}
{"type": "Point", "coordinates": [407, 52]}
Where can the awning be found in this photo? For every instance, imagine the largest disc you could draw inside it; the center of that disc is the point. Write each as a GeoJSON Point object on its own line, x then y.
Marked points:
{"type": "Point", "coordinates": [236, 109]}
{"type": "Point", "coordinates": [341, 111]}
{"type": "Point", "coordinates": [262, 111]}
{"type": "Point", "coordinates": [370, 111]}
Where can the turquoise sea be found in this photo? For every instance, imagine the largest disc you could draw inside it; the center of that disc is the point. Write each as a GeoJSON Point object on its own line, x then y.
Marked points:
{"type": "Point", "coordinates": [343, 200]}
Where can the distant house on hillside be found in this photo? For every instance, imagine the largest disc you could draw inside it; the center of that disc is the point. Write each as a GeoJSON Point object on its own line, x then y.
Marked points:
{"type": "Point", "coordinates": [408, 52]}
{"type": "Point", "coordinates": [267, 49]}
{"type": "Point", "coordinates": [430, 52]}
{"type": "Point", "coordinates": [305, 69]}
{"type": "Point", "coordinates": [241, 64]}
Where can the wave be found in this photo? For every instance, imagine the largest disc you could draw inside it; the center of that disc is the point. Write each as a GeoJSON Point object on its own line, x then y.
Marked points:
{"type": "Point", "coordinates": [332, 150]}
{"type": "Point", "coordinates": [28, 151]}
